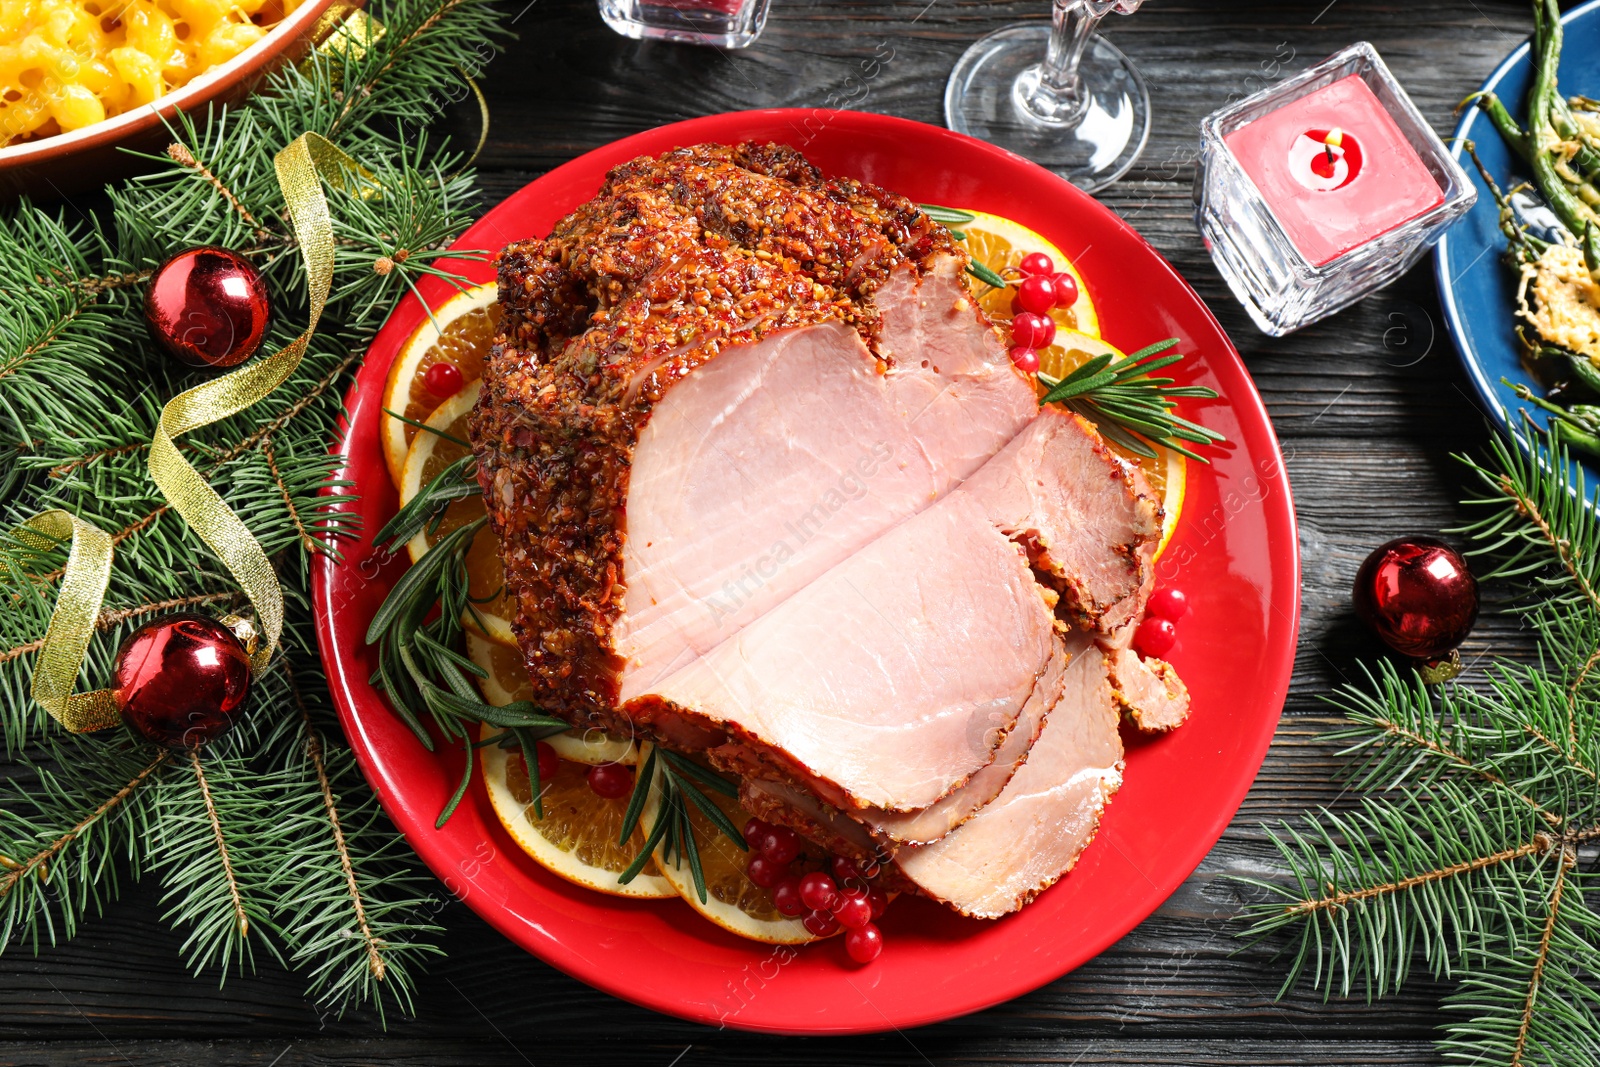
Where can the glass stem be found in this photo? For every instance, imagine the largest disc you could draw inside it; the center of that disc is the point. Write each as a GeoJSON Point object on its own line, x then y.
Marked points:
{"type": "Point", "coordinates": [1057, 97]}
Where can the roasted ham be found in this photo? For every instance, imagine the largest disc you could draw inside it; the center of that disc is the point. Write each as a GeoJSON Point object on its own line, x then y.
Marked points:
{"type": "Point", "coordinates": [768, 488]}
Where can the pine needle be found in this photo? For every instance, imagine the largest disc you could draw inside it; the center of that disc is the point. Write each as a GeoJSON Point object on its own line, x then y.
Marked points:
{"type": "Point", "coordinates": [272, 829]}
{"type": "Point", "coordinates": [1463, 850]}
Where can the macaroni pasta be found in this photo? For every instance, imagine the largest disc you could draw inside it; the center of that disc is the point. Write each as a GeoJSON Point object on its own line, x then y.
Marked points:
{"type": "Point", "coordinates": [65, 64]}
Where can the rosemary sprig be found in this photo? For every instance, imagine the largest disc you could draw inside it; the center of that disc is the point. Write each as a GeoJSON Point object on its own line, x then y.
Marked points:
{"type": "Point", "coordinates": [677, 781]}
{"type": "Point", "coordinates": [1119, 396]}
{"type": "Point", "coordinates": [1128, 405]}
{"type": "Point", "coordinates": [419, 666]}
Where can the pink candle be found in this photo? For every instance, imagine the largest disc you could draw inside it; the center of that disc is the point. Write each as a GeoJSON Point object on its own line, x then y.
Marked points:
{"type": "Point", "coordinates": [1335, 169]}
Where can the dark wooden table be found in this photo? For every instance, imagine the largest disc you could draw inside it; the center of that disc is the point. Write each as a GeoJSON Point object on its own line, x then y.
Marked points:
{"type": "Point", "coordinates": [1369, 407]}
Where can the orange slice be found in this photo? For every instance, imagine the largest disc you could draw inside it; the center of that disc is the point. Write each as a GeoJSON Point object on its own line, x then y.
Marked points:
{"type": "Point", "coordinates": [999, 243]}
{"type": "Point", "coordinates": [459, 333]}
{"type": "Point", "coordinates": [429, 454]}
{"type": "Point", "coordinates": [733, 901]}
{"type": "Point", "coordinates": [577, 838]}
{"type": "Point", "coordinates": [1167, 473]}
{"type": "Point", "coordinates": [507, 683]}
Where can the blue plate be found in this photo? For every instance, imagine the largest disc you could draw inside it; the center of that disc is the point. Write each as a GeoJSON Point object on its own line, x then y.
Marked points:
{"type": "Point", "coordinates": [1476, 287]}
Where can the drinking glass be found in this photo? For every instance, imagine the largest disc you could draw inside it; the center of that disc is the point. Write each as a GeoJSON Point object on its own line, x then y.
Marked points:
{"type": "Point", "coordinates": [1060, 95]}
{"type": "Point", "coordinates": [722, 23]}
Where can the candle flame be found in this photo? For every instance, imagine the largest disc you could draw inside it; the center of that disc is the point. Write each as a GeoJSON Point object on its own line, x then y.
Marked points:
{"type": "Point", "coordinates": [1335, 138]}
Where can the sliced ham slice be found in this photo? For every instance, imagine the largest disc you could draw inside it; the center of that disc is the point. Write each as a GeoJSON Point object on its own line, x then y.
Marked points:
{"type": "Point", "coordinates": [779, 458]}
{"type": "Point", "coordinates": [893, 829]}
{"type": "Point", "coordinates": [1023, 841]}
{"type": "Point", "coordinates": [1090, 519]}
{"type": "Point", "coordinates": [1149, 690]}
{"type": "Point", "coordinates": [889, 681]}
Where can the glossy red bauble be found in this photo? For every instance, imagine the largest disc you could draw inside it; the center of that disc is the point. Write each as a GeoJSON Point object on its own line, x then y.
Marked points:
{"type": "Point", "coordinates": [611, 780]}
{"type": "Point", "coordinates": [1418, 596]}
{"type": "Point", "coordinates": [181, 680]}
{"type": "Point", "coordinates": [864, 944]}
{"type": "Point", "coordinates": [207, 307]}
{"type": "Point", "coordinates": [1035, 264]}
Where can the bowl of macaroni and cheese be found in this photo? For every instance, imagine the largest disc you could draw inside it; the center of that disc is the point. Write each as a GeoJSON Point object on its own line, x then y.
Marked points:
{"type": "Point", "coordinates": [81, 79]}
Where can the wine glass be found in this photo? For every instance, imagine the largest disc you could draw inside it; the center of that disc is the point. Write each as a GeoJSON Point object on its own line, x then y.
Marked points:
{"type": "Point", "coordinates": [1060, 95]}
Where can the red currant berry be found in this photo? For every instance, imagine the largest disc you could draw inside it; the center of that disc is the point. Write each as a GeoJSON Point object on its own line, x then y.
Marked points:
{"type": "Point", "coordinates": [846, 872]}
{"type": "Point", "coordinates": [1037, 263]}
{"type": "Point", "coordinates": [786, 898]}
{"type": "Point", "coordinates": [764, 873]}
{"type": "Point", "coordinates": [1026, 360]}
{"type": "Point", "coordinates": [818, 891]}
{"type": "Point", "coordinates": [754, 831]}
{"type": "Point", "coordinates": [549, 762]}
{"type": "Point", "coordinates": [611, 780]}
{"type": "Point", "coordinates": [1169, 603]}
{"type": "Point", "coordinates": [1031, 330]}
{"type": "Point", "coordinates": [879, 901]}
{"type": "Point", "coordinates": [853, 909]}
{"type": "Point", "coordinates": [864, 944]}
{"type": "Point", "coordinates": [780, 844]}
{"type": "Point", "coordinates": [1155, 636]}
{"type": "Point", "coordinates": [1066, 287]}
{"type": "Point", "coordinates": [1037, 293]}
{"type": "Point", "coordinates": [443, 379]}
{"type": "Point", "coordinates": [821, 923]}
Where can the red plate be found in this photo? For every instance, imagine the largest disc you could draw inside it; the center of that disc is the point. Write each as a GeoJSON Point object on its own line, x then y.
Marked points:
{"type": "Point", "coordinates": [1235, 554]}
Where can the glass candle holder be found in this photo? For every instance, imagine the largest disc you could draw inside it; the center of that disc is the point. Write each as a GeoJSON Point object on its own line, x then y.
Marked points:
{"type": "Point", "coordinates": [724, 23]}
{"type": "Point", "coordinates": [1321, 189]}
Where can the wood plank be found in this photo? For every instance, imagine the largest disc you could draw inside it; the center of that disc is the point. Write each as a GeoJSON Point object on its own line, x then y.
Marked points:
{"type": "Point", "coordinates": [1369, 406]}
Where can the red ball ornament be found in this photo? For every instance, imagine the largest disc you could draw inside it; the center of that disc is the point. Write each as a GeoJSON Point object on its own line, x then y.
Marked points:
{"type": "Point", "coordinates": [207, 307]}
{"type": "Point", "coordinates": [1418, 596]}
{"type": "Point", "coordinates": [181, 680]}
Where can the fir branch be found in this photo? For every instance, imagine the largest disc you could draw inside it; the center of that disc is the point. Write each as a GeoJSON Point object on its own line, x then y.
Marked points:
{"type": "Point", "coordinates": [353, 918]}
{"type": "Point", "coordinates": [64, 823]}
{"type": "Point", "coordinates": [1464, 852]}
{"type": "Point", "coordinates": [271, 829]}
{"type": "Point", "coordinates": [216, 828]}
{"type": "Point", "coordinates": [221, 840]}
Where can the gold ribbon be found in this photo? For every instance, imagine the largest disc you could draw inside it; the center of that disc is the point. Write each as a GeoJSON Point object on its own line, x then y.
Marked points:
{"type": "Point", "coordinates": [66, 640]}
{"type": "Point", "coordinates": [309, 161]}
{"type": "Point", "coordinates": [345, 31]}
